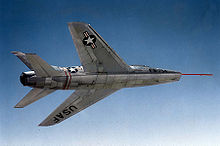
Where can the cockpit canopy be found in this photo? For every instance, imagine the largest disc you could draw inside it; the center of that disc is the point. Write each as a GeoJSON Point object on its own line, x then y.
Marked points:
{"type": "Point", "coordinates": [139, 67]}
{"type": "Point", "coordinates": [144, 68]}
{"type": "Point", "coordinates": [71, 69]}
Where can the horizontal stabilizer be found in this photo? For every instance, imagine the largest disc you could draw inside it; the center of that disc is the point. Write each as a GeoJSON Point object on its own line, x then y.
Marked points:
{"type": "Point", "coordinates": [23, 58]}
{"type": "Point", "coordinates": [34, 62]}
{"type": "Point", "coordinates": [34, 95]}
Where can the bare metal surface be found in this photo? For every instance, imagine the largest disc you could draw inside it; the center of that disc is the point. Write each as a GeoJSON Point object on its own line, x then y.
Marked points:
{"type": "Point", "coordinates": [102, 73]}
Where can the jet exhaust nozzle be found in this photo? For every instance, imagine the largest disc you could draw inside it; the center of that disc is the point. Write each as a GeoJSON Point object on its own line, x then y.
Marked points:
{"type": "Point", "coordinates": [26, 78]}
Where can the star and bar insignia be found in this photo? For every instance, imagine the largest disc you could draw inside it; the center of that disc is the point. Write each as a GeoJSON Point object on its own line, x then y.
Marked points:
{"type": "Point", "coordinates": [89, 40]}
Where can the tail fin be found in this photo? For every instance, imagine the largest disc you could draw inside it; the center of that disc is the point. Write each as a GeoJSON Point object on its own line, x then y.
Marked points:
{"type": "Point", "coordinates": [34, 62]}
{"type": "Point", "coordinates": [23, 58]}
{"type": "Point", "coordinates": [34, 95]}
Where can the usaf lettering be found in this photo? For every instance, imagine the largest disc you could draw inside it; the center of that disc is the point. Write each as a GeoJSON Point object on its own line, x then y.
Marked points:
{"type": "Point", "coordinates": [64, 113]}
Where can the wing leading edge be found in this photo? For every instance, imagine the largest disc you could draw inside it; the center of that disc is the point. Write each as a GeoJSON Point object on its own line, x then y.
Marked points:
{"type": "Point", "coordinates": [77, 101]}
{"type": "Point", "coordinates": [94, 53]}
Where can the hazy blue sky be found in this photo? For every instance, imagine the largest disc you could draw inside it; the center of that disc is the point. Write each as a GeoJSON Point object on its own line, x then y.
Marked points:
{"type": "Point", "coordinates": [179, 35]}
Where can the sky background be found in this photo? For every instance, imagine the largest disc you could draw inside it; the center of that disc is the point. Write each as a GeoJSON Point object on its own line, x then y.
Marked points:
{"type": "Point", "coordinates": [178, 35]}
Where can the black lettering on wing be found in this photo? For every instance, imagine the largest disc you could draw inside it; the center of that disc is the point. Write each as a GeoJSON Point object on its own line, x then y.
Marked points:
{"type": "Point", "coordinates": [66, 112]}
{"type": "Point", "coordinates": [55, 119]}
{"type": "Point", "coordinates": [72, 108]}
{"type": "Point", "coordinates": [60, 115]}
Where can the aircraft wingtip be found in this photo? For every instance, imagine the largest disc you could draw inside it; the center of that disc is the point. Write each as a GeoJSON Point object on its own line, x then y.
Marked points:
{"type": "Point", "coordinates": [17, 106]}
{"type": "Point", "coordinates": [44, 124]}
{"type": "Point", "coordinates": [17, 53]}
{"type": "Point", "coordinates": [14, 52]}
{"type": "Point", "coordinates": [41, 125]}
{"type": "Point", "coordinates": [77, 23]}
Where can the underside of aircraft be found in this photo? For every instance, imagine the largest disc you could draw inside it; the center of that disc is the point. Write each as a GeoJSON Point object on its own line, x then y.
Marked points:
{"type": "Point", "coordinates": [102, 73]}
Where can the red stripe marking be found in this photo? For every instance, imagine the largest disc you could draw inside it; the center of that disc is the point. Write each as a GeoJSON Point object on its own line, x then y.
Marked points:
{"type": "Point", "coordinates": [69, 81]}
{"type": "Point", "coordinates": [87, 34]}
{"type": "Point", "coordinates": [65, 80]}
{"type": "Point", "coordinates": [199, 74]}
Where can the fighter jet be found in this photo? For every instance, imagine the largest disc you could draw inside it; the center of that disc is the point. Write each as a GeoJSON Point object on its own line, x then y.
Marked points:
{"type": "Point", "coordinates": [102, 73]}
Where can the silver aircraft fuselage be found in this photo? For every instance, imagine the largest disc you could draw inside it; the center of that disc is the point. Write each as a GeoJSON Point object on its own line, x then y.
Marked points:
{"type": "Point", "coordinates": [102, 73]}
{"type": "Point", "coordinates": [71, 80]}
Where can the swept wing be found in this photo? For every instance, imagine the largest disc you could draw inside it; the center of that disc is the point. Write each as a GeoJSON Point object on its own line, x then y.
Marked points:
{"type": "Point", "coordinates": [94, 53]}
{"type": "Point", "coordinates": [77, 101]}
